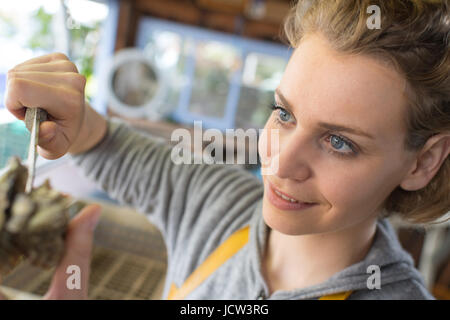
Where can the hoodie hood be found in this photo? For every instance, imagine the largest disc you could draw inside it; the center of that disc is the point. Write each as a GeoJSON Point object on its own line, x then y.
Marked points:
{"type": "Point", "coordinates": [396, 265]}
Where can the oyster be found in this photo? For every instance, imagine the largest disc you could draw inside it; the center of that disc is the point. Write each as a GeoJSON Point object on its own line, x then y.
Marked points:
{"type": "Point", "coordinates": [32, 226]}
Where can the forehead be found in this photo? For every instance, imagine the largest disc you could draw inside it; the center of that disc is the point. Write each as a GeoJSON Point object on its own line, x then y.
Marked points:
{"type": "Point", "coordinates": [324, 85]}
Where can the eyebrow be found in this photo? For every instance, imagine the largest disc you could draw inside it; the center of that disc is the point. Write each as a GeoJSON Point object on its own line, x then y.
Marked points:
{"type": "Point", "coordinates": [329, 126]}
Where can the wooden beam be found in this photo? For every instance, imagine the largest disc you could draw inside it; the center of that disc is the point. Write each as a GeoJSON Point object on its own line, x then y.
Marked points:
{"type": "Point", "coordinates": [124, 38]}
{"type": "Point", "coordinates": [261, 30]}
{"type": "Point", "coordinates": [181, 10]}
{"type": "Point", "coordinates": [275, 11]}
{"type": "Point", "coordinates": [224, 6]}
{"type": "Point", "coordinates": [220, 21]}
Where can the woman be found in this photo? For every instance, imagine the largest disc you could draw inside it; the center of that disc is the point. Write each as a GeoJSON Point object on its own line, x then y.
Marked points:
{"type": "Point", "coordinates": [364, 131]}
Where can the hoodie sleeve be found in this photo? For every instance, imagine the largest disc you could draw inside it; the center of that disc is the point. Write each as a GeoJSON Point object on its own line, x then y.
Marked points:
{"type": "Point", "coordinates": [137, 170]}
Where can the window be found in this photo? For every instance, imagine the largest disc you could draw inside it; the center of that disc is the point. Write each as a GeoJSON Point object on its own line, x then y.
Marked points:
{"type": "Point", "coordinates": [216, 64]}
{"type": "Point", "coordinates": [224, 80]}
{"type": "Point", "coordinates": [260, 76]}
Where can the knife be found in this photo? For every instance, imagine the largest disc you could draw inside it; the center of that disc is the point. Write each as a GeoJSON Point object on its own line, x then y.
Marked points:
{"type": "Point", "coordinates": [33, 118]}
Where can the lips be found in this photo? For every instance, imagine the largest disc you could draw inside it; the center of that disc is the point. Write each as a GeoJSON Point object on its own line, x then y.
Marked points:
{"type": "Point", "coordinates": [285, 197]}
{"type": "Point", "coordinates": [283, 201]}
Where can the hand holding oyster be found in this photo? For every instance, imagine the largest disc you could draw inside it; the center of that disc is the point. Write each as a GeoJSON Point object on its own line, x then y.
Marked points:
{"type": "Point", "coordinates": [32, 226]}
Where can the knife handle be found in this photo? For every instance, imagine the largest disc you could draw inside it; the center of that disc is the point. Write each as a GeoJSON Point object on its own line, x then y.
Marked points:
{"type": "Point", "coordinates": [33, 117]}
{"type": "Point", "coordinates": [41, 115]}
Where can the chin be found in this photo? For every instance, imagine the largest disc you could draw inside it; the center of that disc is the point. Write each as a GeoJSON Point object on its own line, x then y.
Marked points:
{"type": "Point", "coordinates": [285, 222]}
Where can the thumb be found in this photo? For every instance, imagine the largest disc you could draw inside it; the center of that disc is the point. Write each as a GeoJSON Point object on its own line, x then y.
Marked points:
{"type": "Point", "coordinates": [52, 142]}
{"type": "Point", "coordinates": [71, 277]}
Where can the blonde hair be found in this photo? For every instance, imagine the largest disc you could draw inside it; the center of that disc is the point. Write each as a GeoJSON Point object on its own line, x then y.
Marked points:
{"type": "Point", "coordinates": [414, 36]}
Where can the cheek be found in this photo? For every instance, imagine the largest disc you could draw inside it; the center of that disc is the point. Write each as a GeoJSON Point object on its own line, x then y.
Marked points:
{"type": "Point", "coordinates": [361, 188]}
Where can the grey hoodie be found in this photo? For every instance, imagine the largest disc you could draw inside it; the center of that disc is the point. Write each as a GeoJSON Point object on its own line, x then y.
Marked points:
{"type": "Point", "coordinates": [198, 206]}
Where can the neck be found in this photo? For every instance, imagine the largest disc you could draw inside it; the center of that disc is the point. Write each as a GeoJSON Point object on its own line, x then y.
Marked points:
{"type": "Point", "coordinates": [317, 256]}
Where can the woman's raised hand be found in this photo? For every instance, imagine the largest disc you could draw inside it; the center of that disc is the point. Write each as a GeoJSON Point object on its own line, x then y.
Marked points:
{"type": "Point", "coordinates": [52, 82]}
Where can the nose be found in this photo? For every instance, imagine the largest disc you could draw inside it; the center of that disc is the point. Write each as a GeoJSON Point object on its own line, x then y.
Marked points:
{"type": "Point", "coordinates": [293, 161]}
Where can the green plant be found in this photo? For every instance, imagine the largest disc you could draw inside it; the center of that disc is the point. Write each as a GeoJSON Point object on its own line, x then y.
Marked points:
{"type": "Point", "coordinates": [42, 37]}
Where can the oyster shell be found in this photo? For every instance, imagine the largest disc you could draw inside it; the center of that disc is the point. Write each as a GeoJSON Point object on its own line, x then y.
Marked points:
{"type": "Point", "coordinates": [32, 226]}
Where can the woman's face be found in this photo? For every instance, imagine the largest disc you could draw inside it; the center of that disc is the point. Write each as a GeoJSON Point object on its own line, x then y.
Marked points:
{"type": "Point", "coordinates": [341, 131]}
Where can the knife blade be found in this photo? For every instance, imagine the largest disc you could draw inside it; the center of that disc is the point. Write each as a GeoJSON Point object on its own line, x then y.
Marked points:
{"type": "Point", "coordinates": [33, 118]}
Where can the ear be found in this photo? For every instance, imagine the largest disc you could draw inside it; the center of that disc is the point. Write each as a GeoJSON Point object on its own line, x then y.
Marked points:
{"type": "Point", "coordinates": [428, 161]}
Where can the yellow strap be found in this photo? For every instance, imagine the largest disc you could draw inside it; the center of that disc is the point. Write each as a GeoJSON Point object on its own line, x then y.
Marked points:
{"type": "Point", "coordinates": [225, 251]}
{"type": "Point", "coordinates": [337, 296]}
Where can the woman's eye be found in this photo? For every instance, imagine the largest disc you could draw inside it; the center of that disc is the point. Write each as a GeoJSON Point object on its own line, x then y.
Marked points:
{"type": "Point", "coordinates": [337, 142]}
{"type": "Point", "coordinates": [341, 146]}
{"type": "Point", "coordinates": [284, 115]}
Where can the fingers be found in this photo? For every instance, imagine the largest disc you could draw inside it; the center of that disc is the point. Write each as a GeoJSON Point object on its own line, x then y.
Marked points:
{"type": "Point", "coordinates": [45, 58]}
{"type": "Point", "coordinates": [23, 93]}
{"type": "Point", "coordinates": [79, 242]}
{"type": "Point", "coordinates": [54, 66]}
{"type": "Point", "coordinates": [55, 79]}
{"type": "Point", "coordinates": [54, 70]}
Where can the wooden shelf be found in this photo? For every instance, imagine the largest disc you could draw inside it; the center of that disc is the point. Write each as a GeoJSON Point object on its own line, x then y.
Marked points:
{"type": "Point", "coordinates": [231, 16]}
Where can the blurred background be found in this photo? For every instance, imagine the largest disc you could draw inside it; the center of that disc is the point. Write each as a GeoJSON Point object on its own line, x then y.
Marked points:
{"type": "Point", "coordinates": [160, 65]}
